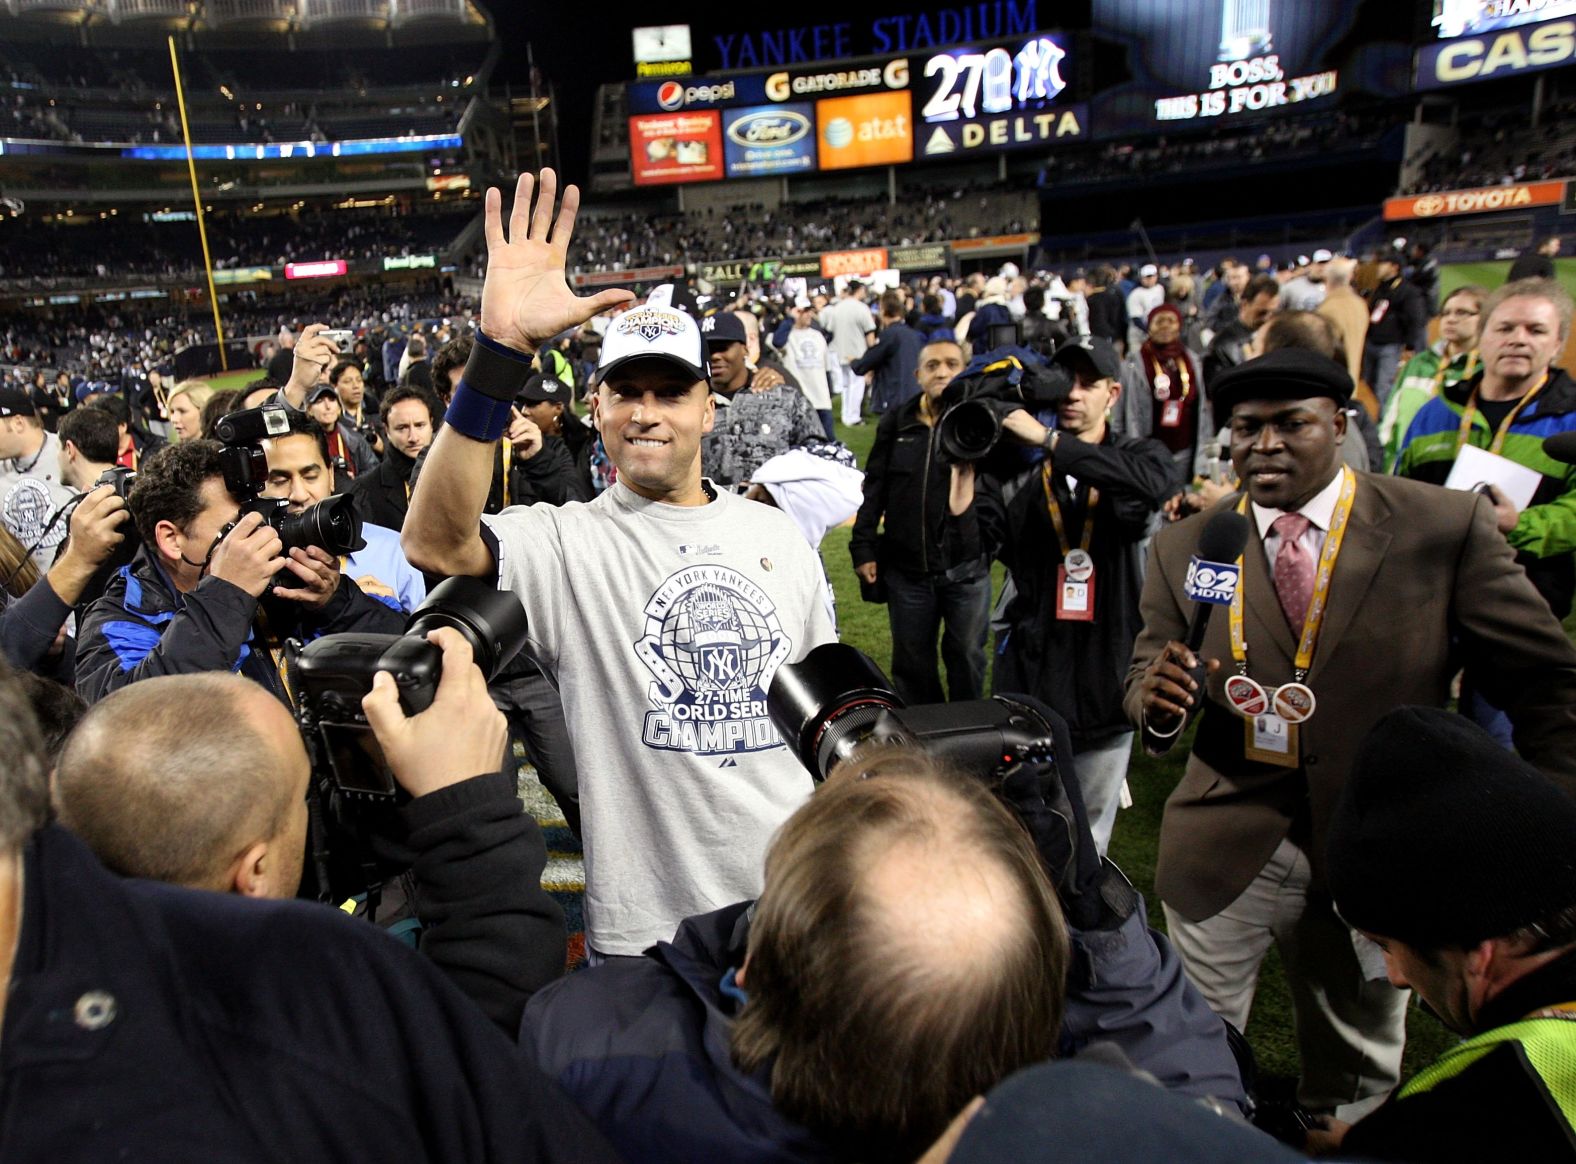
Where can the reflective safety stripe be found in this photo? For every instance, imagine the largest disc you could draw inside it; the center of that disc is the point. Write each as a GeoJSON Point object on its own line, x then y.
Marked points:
{"type": "Point", "coordinates": [1550, 1045]}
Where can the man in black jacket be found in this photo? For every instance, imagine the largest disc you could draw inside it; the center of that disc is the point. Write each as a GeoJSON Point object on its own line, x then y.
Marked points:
{"type": "Point", "coordinates": [894, 359]}
{"type": "Point", "coordinates": [383, 495]}
{"type": "Point", "coordinates": [1070, 532]}
{"type": "Point", "coordinates": [226, 811]}
{"type": "Point", "coordinates": [927, 589]}
{"type": "Point", "coordinates": [1229, 345]}
{"type": "Point", "coordinates": [1454, 857]}
{"type": "Point", "coordinates": [1397, 327]}
{"type": "Point", "coordinates": [207, 1026]}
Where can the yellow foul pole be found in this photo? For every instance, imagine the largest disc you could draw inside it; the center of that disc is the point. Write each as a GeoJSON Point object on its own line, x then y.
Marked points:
{"type": "Point", "coordinates": [202, 227]}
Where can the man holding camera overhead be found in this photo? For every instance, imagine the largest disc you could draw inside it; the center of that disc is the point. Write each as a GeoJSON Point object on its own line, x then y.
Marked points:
{"type": "Point", "coordinates": [1070, 531]}
{"type": "Point", "coordinates": [661, 610]}
{"type": "Point", "coordinates": [189, 600]}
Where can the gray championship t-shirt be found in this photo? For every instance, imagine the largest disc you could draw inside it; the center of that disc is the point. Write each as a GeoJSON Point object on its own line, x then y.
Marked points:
{"type": "Point", "coordinates": [662, 626]}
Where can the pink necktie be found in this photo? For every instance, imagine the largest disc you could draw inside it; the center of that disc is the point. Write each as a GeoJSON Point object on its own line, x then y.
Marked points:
{"type": "Point", "coordinates": [1293, 569]}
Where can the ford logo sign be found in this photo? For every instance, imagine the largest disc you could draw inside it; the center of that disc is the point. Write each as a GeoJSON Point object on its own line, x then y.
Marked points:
{"type": "Point", "coordinates": [774, 128]}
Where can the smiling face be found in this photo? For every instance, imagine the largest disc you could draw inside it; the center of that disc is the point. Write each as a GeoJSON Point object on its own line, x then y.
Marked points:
{"type": "Point", "coordinates": [1285, 451]}
{"type": "Point", "coordinates": [728, 369]}
{"type": "Point", "coordinates": [1164, 328]}
{"type": "Point", "coordinates": [652, 415]}
{"type": "Point", "coordinates": [1520, 340]}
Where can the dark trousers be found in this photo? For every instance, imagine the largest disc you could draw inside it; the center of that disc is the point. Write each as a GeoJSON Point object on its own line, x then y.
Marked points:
{"type": "Point", "coordinates": [918, 605]}
{"type": "Point", "coordinates": [536, 718]}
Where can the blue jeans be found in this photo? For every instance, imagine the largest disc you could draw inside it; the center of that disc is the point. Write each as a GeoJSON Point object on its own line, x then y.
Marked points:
{"type": "Point", "coordinates": [918, 605]}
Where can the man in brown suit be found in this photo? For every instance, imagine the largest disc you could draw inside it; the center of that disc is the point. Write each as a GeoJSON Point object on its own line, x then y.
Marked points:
{"type": "Point", "coordinates": [1347, 310]}
{"type": "Point", "coordinates": [1417, 582]}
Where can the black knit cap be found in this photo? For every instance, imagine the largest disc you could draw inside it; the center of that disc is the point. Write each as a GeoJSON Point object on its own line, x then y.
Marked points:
{"type": "Point", "coordinates": [1444, 837]}
{"type": "Point", "coordinates": [1284, 374]}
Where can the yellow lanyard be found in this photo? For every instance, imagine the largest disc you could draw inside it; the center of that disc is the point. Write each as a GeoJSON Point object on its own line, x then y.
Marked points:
{"type": "Point", "coordinates": [1187, 383]}
{"type": "Point", "coordinates": [1056, 513]}
{"type": "Point", "coordinates": [1321, 586]}
{"type": "Point", "coordinates": [1464, 433]}
{"type": "Point", "coordinates": [508, 467]}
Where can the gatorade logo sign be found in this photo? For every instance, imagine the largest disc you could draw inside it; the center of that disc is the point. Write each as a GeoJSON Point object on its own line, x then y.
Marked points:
{"type": "Point", "coordinates": [1214, 582]}
{"type": "Point", "coordinates": [673, 95]}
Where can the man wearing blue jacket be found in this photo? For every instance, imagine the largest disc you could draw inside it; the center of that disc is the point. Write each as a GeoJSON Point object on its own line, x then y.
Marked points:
{"type": "Point", "coordinates": [189, 599]}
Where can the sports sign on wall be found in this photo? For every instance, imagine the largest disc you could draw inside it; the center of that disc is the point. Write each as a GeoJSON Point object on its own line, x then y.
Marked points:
{"type": "Point", "coordinates": [995, 97]}
{"type": "Point", "coordinates": [769, 139]}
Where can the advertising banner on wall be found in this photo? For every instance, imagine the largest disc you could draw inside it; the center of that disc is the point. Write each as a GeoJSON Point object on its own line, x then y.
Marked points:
{"type": "Point", "coordinates": [1503, 53]}
{"type": "Point", "coordinates": [874, 129]}
{"type": "Point", "coordinates": [762, 140]}
{"type": "Point", "coordinates": [1480, 201]}
{"type": "Point", "coordinates": [676, 147]}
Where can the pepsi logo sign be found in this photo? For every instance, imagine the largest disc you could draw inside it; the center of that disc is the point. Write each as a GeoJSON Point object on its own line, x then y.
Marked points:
{"type": "Point", "coordinates": [769, 129]}
{"type": "Point", "coordinates": [674, 95]}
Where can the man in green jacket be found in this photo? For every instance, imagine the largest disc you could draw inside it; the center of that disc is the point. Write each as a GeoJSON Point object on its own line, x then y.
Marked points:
{"type": "Point", "coordinates": [1457, 860]}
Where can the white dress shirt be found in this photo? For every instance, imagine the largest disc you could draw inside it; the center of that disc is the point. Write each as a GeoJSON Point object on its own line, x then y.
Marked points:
{"type": "Point", "coordinates": [1319, 510]}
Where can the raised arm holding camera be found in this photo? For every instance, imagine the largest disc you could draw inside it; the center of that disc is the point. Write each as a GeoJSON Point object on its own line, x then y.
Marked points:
{"type": "Point", "coordinates": [661, 609]}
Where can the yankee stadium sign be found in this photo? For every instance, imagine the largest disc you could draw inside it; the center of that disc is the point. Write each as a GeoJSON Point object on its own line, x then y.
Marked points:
{"type": "Point", "coordinates": [905, 32]}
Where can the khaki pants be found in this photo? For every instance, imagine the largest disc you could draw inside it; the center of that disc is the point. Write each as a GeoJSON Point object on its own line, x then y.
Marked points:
{"type": "Point", "coordinates": [1350, 1029]}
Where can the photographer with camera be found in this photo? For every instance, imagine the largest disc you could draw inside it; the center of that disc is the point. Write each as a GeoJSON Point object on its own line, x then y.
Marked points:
{"type": "Point", "coordinates": [188, 601]}
{"type": "Point", "coordinates": [924, 930]}
{"type": "Point", "coordinates": [1069, 531]}
{"type": "Point", "coordinates": [299, 470]}
{"type": "Point", "coordinates": [228, 812]}
{"type": "Point", "coordinates": [150, 1021]}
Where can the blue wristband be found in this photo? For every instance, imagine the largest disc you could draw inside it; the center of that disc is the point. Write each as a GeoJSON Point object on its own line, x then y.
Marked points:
{"type": "Point", "coordinates": [477, 415]}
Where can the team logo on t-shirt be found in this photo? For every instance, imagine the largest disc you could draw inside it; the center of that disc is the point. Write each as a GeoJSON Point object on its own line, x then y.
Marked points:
{"type": "Point", "coordinates": [713, 642]}
{"type": "Point", "coordinates": [26, 513]}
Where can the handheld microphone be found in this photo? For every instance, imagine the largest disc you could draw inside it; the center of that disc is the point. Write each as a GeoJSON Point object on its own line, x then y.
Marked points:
{"type": "Point", "coordinates": [1212, 579]}
{"type": "Point", "coordinates": [1561, 447]}
{"type": "Point", "coordinates": [1213, 574]}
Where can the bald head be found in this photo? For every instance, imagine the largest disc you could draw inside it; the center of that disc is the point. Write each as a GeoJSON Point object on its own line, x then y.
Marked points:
{"type": "Point", "coordinates": [907, 953]}
{"type": "Point", "coordinates": [176, 778]}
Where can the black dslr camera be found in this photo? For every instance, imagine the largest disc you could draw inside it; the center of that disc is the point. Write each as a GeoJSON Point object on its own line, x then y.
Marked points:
{"type": "Point", "coordinates": [330, 675]}
{"type": "Point", "coordinates": [121, 478]}
{"type": "Point", "coordinates": [332, 524]}
{"type": "Point", "coordinates": [974, 404]}
{"type": "Point", "coordinates": [835, 701]}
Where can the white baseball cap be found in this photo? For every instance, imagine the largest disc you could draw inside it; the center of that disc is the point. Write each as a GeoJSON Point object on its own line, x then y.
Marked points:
{"type": "Point", "coordinates": [1147, 270]}
{"type": "Point", "coordinates": [654, 330]}
{"type": "Point", "coordinates": [1322, 256]}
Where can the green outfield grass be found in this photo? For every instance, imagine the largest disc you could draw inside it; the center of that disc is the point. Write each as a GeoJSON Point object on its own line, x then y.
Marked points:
{"type": "Point", "coordinates": [1136, 838]}
{"type": "Point", "coordinates": [1491, 275]}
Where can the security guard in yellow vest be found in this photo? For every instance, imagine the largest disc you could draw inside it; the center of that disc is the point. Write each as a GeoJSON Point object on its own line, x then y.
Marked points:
{"type": "Point", "coordinates": [1458, 860]}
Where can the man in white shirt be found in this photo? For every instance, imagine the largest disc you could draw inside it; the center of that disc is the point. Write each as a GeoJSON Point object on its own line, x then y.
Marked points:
{"type": "Point", "coordinates": [1141, 300]}
{"type": "Point", "coordinates": [853, 330]}
{"type": "Point", "coordinates": [805, 355]}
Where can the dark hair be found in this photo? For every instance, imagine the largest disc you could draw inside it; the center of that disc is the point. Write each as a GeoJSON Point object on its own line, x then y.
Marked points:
{"type": "Point", "coordinates": [94, 431]}
{"type": "Point", "coordinates": [875, 1034]}
{"type": "Point", "coordinates": [931, 303]}
{"type": "Point", "coordinates": [24, 777]}
{"type": "Point", "coordinates": [406, 392]}
{"type": "Point", "coordinates": [169, 487]}
{"type": "Point", "coordinates": [116, 406]}
{"type": "Point", "coordinates": [305, 424]}
{"type": "Point", "coordinates": [218, 405]}
{"type": "Point", "coordinates": [56, 707]}
{"type": "Point", "coordinates": [451, 355]}
{"type": "Point", "coordinates": [892, 305]}
{"type": "Point", "coordinates": [1260, 285]}
{"type": "Point", "coordinates": [339, 369]}
{"type": "Point", "coordinates": [261, 382]}
{"type": "Point", "coordinates": [1034, 300]}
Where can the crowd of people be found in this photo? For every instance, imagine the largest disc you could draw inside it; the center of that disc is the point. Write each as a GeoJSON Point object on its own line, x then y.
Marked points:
{"type": "Point", "coordinates": [591, 525]}
{"type": "Point", "coordinates": [1495, 149]}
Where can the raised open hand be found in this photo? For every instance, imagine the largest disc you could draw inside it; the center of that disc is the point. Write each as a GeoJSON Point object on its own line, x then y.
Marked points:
{"type": "Point", "coordinates": [525, 297]}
